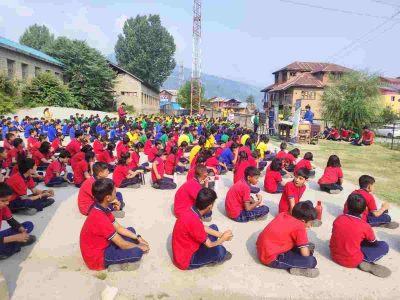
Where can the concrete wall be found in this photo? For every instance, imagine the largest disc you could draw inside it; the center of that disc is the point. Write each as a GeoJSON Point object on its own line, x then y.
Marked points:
{"type": "Point", "coordinates": [314, 103]}
{"type": "Point", "coordinates": [388, 101]}
{"type": "Point", "coordinates": [31, 63]}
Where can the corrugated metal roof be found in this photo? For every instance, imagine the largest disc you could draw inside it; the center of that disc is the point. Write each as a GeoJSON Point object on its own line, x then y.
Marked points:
{"type": "Point", "coordinates": [175, 106]}
{"type": "Point", "coordinates": [6, 43]}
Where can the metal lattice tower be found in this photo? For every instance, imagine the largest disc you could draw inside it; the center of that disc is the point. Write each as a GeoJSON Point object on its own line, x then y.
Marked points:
{"type": "Point", "coordinates": [181, 74]}
{"type": "Point", "coordinates": [195, 97]}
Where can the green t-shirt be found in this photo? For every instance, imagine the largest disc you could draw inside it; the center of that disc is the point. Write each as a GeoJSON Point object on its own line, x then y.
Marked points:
{"type": "Point", "coordinates": [164, 139]}
{"type": "Point", "coordinates": [256, 120]}
{"type": "Point", "coordinates": [191, 139]}
{"type": "Point", "coordinates": [224, 138]}
{"type": "Point", "coordinates": [143, 139]}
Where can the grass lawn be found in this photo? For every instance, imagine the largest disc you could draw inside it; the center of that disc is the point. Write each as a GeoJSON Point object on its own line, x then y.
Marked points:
{"type": "Point", "coordinates": [380, 162]}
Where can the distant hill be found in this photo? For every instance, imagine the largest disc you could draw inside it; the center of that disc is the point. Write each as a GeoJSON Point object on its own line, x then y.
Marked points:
{"type": "Point", "coordinates": [214, 85]}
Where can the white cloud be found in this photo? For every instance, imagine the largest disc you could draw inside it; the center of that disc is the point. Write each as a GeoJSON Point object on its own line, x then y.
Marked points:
{"type": "Point", "coordinates": [79, 27]}
{"type": "Point", "coordinates": [23, 11]}
{"type": "Point", "coordinates": [119, 23]}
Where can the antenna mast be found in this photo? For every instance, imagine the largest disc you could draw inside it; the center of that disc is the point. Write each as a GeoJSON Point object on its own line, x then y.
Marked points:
{"type": "Point", "coordinates": [195, 97]}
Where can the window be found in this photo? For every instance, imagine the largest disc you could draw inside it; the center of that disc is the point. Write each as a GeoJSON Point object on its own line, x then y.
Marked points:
{"type": "Point", "coordinates": [292, 74]}
{"type": "Point", "coordinates": [123, 93]}
{"type": "Point", "coordinates": [37, 71]}
{"type": "Point", "coordinates": [10, 68]}
{"type": "Point", "coordinates": [393, 98]}
{"type": "Point", "coordinates": [24, 68]}
{"type": "Point", "coordinates": [308, 95]}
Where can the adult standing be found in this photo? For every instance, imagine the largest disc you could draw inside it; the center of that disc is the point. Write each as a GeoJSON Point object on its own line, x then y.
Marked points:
{"type": "Point", "coordinates": [122, 114]}
{"type": "Point", "coordinates": [309, 115]}
{"type": "Point", "coordinates": [256, 121]}
{"type": "Point", "coordinates": [47, 114]}
{"type": "Point", "coordinates": [271, 120]}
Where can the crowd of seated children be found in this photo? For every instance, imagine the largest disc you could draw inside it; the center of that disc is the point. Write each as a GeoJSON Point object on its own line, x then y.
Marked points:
{"type": "Point", "coordinates": [332, 179]}
{"type": "Point", "coordinates": [195, 245]}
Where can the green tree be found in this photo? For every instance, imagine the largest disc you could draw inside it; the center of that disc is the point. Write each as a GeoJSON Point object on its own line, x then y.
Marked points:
{"type": "Point", "coordinates": [250, 99]}
{"type": "Point", "coordinates": [37, 37]}
{"type": "Point", "coordinates": [8, 94]}
{"type": "Point", "coordinates": [89, 77]}
{"type": "Point", "coordinates": [146, 49]}
{"type": "Point", "coordinates": [184, 95]}
{"type": "Point", "coordinates": [388, 115]}
{"type": "Point", "coordinates": [45, 89]}
{"type": "Point", "coordinates": [353, 101]}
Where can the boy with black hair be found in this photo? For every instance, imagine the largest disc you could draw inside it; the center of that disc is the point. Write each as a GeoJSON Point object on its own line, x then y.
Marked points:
{"type": "Point", "coordinates": [56, 173]}
{"type": "Point", "coordinates": [306, 163]}
{"type": "Point", "coordinates": [104, 243]}
{"type": "Point", "coordinates": [353, 242]}
{"type": "Point", "coordinates": [83, 169]}
{"type": "Point", "coordinates": [195, 245]}
{"type": "Point", "coordinates": [157, 173]}
{"type": "Point", "coordinates": [20, 182]}
{"type": "Point", "coordinates": [75, 144]}
{"type": "Point", "coordinates": [293, 191]}
{"type": "Point", "coordinates": [17, 236]}
{"type": "Point", "coordinates": [283, 244]}
{"type": "Point", "coordinates": [372, 215]}
{"type": "Point", "coordinates": [239, 204]}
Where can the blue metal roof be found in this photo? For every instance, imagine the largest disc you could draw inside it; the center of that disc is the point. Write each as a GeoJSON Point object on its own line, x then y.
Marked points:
{"type": "Point", "coordinates": [175, 105]}
{"type": "Point", "coordinates": [28, 51]}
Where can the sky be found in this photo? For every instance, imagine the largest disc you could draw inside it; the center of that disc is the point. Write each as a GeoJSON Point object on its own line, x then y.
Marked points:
{"type": "Point", "coordinates": [243, 40]}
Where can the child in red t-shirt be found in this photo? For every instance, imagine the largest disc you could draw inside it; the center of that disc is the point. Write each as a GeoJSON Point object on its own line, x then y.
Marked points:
{"type": "Point", "coordinates": [56, 174]}
{"type": "Point", "coordinates": [332, 179]}
{"type": "Point", "coordinates": [291, 158]}
{"type": "Point", "coordinates": [56, 144]}
{"type": "Point", "coordinates": [107, 156]}
{"type": "Point", "coordinates": [353, 242]}
{"type": "Point", "coordinates": [17, 236]}
{"type": "Point", "coordinates": [273, 182]}
{"type": "Point", "coordinates": [306, 163]}
{"type": "Point", "coordinates": [242, 163]}
{"type": "Point", "coordinates": [172, 163]}
{"type": "Point", "coordinates": [123, 176]}
{"type": "Point", "coordinates": [83, 169]}
{"type": "Point", "coordinates": [239, 204]}
{"type": "Point", "coordinates": [157, 173]}
{"type": "Point", "coordinates": [123, 146]}
{"type": "Point", "coordinates": [283, 244]}
{"type": "Point", "coordinates": [293, 191]}
{"type": "Point", "coordinates": [103, 242]}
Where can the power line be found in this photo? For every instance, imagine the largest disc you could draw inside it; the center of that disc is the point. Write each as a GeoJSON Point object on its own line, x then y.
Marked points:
{"type": "Point", "coordinates": [350, 12]}
{"type": "Point", "coordinates": [386, 3]}
{"type": "Point", "coordinates": [353, 43]}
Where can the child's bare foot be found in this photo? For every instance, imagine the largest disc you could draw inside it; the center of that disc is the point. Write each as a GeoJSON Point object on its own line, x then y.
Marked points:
{"type": "Point", "coordinates": [390, 225]}
{"type": "Point", "coordinates": [30, 241]}
{"type": "Point", "coordinates": [119, 214]}
{"type": "Point", "coordinates": [377, 270]}
{"type": "Point", "coordinates": [114, 268]}
{"type": "Point", "coordinates": [130, 266]}
{"type": "Point", "coordinates": [311, 273]}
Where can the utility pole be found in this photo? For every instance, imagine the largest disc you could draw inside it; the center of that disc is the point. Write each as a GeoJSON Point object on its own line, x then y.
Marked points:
{"type": "Point", "coordinates": [195, 95]}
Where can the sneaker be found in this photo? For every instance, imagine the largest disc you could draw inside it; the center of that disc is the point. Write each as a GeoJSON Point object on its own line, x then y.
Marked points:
{"type": "Point", "coordinates": [119, 214]}
{"type": "Point", "coordinates": [156, 185]}
{"type": "Point", "coordinates": [311, 273]}
{"type": "Point", "coordinates": [227, 257]}
{"type": "Point", "coordinates": [316, 223]}
{"type": "Point", "coordinates": [114, 268]}
{"type": "Point", "coordinates": [390, 225]}
{"type": "Point", "coordinates": [2, 257]}
{"type": "Point", "coordinates": [26, 212]}
{"type": "Point", "coordinates": [30, 241]}
{"type": "Point", "coordinates": [377, 270]}
{"type": "Point", "coordinates": [334, 191]}
{"type": "Point", "coordinates": [134, 186]}
{"type": "Point", "coordinates": [208, 219]}
{"type": "Point", "coordinates": [48, 202]}
{"type": "Point", "coordinates": [130, 266]}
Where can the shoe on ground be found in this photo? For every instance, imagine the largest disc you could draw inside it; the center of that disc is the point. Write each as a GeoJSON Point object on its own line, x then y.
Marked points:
{"type": "Point", "coordinates": [2, 257]}
{"type": "Point", "coordinates": [334, 191]}
{"type": "Point", "coordinates": [114, 268]}
{"type": "Point", "coordinates": [48, 202]}
{"type": "Point", "coordinates": [316, 223]}
{"type": "Point", "coordinates": [208, 219]}
{"type": "Point", "coordinates": [26, 212]}
{"type": "Point", "coordinates": [134, 186]}
{"type": "Point", "coordinates": [262, 218]}
{"type": "Point", "coordinates": [310, 273]}
{"type": "Point", "coordinates": [130, 266]}
{"type": "Point", "coordinates": [64, 184]}
{"type": "Point", "coordinates": [377, 270]}
{"type": "Point", "coordinates": [227, 257]}
{"type": "Point", "coordinates": [30, 241]}
{"type": "Point", "coordinates": [156, 185]}
{"type": "Point", "coordinates": [118, 214]}
{"type": "Point", "coordinates": [390, 225]}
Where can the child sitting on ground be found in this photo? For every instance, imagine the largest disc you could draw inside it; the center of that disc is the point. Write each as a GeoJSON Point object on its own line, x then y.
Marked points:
{"type": "Point", "coordinates": [291, 158]}
{"type": "Point", "coordinates": [353, 242]}
{"type": "Point", "coordinates": [332, 179]}
{"type": "Point", "coordinates": [20, 182]}
{"type": "Point", "coordinates": [293, 191]}
{"type": "Point", "coordinates": [239, 204]}
{"type": "Point", "coordinates": [157, 173]}
{"type": "Point", "coordinates": [43, 156]}
{"type": "Point", "coordinates": [283, 244]}
{"type": "Point", "coordinates": [107, 156]}
{"type": "Point", "coordinates": [56, 174]}
{"type": "Point", "coordinates": [273, 182]}
{"type": "Point", "coordinates": [282, 153]}
{"type": "Point", "coordinates": [172, 163]}
{"type": "Point", "coordinates": [17, 236]}
{"type": "Point", "coordinates": [372, 215]}
{"type": "Point", "coordinates": [195, 245]}
{"type": "Point", "coordinates": [306, 163]}
{"type": "Point", "coordinates": [83, 169]}
{"type": "Point", "coordinates": [123, 177]}
{"type": "Point", "coordinates": [103, 242]}
{"type": "Point", "coordinates": [86, 200]}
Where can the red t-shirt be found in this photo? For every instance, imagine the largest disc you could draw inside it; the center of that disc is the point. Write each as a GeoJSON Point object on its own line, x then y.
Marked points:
{"type": "Point", "coordinates": [121, 148]}
{"type": "Point", "coordinates": [97, 147]}
{"type": "Point", "coordinates": [73, 147]}
{"type": "Point", "coordinates": [185, 196]}
{"type": "Point", "coordinates": [55, 144]}
{"type": "Point", "coordinates": [160, 168]}
{"type": "Point", "coordinates": [281, 235]}
{"type": "Point", "coordinates": [7, 145]}
{"type": "Point", "coordinates": [85, 196]}
{"type": "Point", "coordinates": [187, 237]}
{"type": "Point", "coordinates": [335, 133]}
{"type": "Point", "coordinates": [245, 149]}
{"type": "Point", "coordinates": [19, 185]}
{"type": "Point", "coordinates": [240, 167]}
{"type": "Point", "coordinates": [302, 164]}
{"type": "Point", "coordinates": [238, 194]}
{"type": "Point", "coordinates": [38, 156]}
{"type": "Point", "coordinates": [5, 214]}
{"type": "Point", "coordinates": [368, 136]}
{"type": "Point", "coordinates": [290, 159]}
{"type": "Point", "coordinates": [152, 154]}
{"type": "Point", "coordinates": [120, 173]}
{"type": "Point", "coordinates": [369, 200]}
{"type": "Point", "coordinates": [147, 147]}
{"type": "Point", "coordinates": [135, 159]}
{"type": "Point", "coordinates": [191, 173]}
{"type": "Point", "coordinates": [290, 191]}
{"type": "Point", "coordinates": [272, 178]}
{"type": "Point", "coordinates": [55, 167]}
{"type": "Point", "coordinates": [32, 143]}
{"type": "Point", "coordinates": [169, 145]}
{"type": "Point", "coordinates": [170, 164]}
{"type": "Point", "coordinates": [79, 171]}
{"type": "Point", "coordinates": [347, 234]}
{"type": "Point", "coordinates": [331, 175]}
{"type": "Point", "coordinates": [105, 157]}
{"type": "Point", "coordinates": [212, 162]}
{"type": "Point", "coordinates": [281, 155]}
{"type": "Point", "coordinates": [95, 237]}
{"type": "Point", "coordinates": [78, 157]}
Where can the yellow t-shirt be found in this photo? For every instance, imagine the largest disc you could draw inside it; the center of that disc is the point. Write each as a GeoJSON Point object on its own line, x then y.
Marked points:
{"type": "Point", "coordinates": [263, 147]}
{"type": "Point", "coordinates": [194, 152]}
{"type": "Point", "coordinates": [210, 142]}
{"type": "Point", "coordinates": [132, 137]}
{"type": "Point", "coordinates": [183, 138]}
{"type": "Point", "coordinates": [244, 139]}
